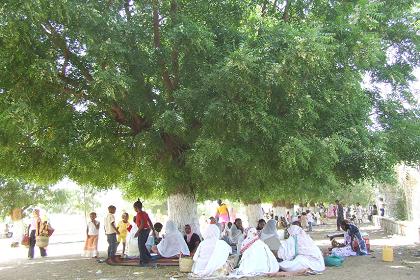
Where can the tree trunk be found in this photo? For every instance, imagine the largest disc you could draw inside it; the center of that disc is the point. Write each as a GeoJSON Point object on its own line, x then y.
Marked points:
{"type": "Point", "coordinates": [182, 209]}
{"type": "Point", "coordinates": [18, 226]}
{"type": "Point", "coordinates": [253, 212]}
{"type": "Point", "coordinates": [279, 208]}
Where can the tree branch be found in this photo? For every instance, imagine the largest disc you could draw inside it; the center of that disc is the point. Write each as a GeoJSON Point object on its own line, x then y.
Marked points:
{"type": "Point", "coordinates": [286, 11]}
{"type": "Point", "coordinates": [157, 43]}
{"type": "Point", "coordinates": [175, 51]}
{"type": "Point", "coordinates": [60, 43]}
{"type": "Point", "coordinates": [127, 9]}
{"type": "Point", "coordinates": [136, 123]}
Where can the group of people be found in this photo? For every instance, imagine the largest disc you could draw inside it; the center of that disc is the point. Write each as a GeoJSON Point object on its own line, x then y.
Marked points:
{"type": "Point", "coordinates": [258, 252]}
{"type": "Point", "coordinates": [226, 248]}
{"type": "Point", "coordinates": [141, 239]}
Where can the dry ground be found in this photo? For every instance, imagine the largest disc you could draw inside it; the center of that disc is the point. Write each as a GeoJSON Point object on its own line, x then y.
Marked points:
{"type": "Point", "coordinates": [63, 263]}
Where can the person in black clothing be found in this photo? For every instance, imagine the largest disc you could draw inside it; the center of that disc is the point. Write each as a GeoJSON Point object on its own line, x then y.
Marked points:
{"type": "Point", "coordinates": [340, 214]}
{"type": "Point", "coordinates": [192, 239]}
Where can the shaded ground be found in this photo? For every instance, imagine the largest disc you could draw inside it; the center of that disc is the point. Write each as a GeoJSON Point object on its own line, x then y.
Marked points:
{"type": "Point", "coordinates": [64, 263]}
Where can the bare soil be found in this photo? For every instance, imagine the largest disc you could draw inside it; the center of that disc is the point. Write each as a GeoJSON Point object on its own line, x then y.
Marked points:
{"type": "Point", "coordinates": [13, 265]}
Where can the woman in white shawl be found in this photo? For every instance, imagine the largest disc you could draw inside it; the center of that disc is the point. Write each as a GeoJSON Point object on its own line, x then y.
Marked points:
{"type": "Point", "coordinates": [270, 236]}
{"type": "Point", "coordinates": [300, 253]}
{"type": "Point", "coordinates": [132, 241]}
{"type": "Point", "coordinates": [212, 253]}
{"type": "Point", "coordinates": [172, 244]}
{"type": "Point", "coordinates": [257, 258]}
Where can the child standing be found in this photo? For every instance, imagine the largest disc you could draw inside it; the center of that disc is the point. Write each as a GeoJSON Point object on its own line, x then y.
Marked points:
{"type": "Point", "coordinates": [111, 233]}
{"type": "Point", "coordinates": [144, 225]}
{"type": "Point", "coordinates": [310, 219]}
{"type": "Point", "coordinates": [92, 234]}
{"type": "Point", "coordinates": [123, 231]}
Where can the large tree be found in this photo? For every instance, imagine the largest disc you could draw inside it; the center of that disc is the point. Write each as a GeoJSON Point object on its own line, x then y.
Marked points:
{"type": "Point", "coordinates": [198, 99]}
{"type": "Point", "coordinates": [17, 196]}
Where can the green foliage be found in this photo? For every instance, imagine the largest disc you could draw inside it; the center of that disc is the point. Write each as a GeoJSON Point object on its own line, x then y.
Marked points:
{"type": "Point", "coordinates": [80, 200]}
{"type": "Point", "coordinates": [241, 99]}
{"type": "Point", "coordinates": [19, 194]}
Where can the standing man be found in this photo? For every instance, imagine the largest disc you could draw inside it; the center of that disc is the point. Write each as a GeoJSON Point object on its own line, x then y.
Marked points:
{"type": "Point", "coordinates": [340, 214]}
{"type": "Point", "coordinates": [222, 215]}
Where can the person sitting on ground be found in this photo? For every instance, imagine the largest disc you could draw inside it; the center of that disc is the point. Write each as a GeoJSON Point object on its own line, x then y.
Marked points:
{"type": "Point", "coordinates": [257, 258]}
{"type": "Point", "coordinates": [172, 244]}
{"type": "Point", "coordinates": [260, 225]}
{"type": "Point", "coordinates": [158, 228]}
{"type": "Point", "coordinates": [154, 237]}
{"type": "Point", "coordinates": [343, 249]}
{"type": "Point", "coordinates": [212, 220]}
{"type": "Point", "coordinates": [227, 232]}
{"type": "Point", "coordinates": [270, 236]}
{"type": "Point", "coordinates": [300, 253]}
{"type": "Point", "coordinates": [237, 231]}
{"type": "Point", "coordinates": [354, 233]}
{"type": "Point", "coordinates": [211, 254]}
{"type": "Point", "coordinates": [192, 239]}
{"type": "Point", "coordinates": [283, 223]}
{"type": "Point", "coordinates": [132, 241]}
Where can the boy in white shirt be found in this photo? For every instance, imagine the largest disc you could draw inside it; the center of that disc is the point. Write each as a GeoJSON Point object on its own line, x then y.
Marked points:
{"type": "Point", "coordinates": [111, 232]}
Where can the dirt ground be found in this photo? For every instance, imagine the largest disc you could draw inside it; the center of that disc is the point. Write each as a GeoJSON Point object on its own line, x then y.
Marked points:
{"type": "Point", "coordinates": [67, 266]}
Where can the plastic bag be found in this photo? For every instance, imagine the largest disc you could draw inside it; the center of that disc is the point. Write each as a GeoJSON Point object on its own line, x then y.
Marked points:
{"type": "Point", "coordinates": [333, 261]}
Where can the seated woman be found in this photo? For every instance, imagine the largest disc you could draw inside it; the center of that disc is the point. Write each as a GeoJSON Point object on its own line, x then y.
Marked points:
{"type": "Point", "coordinates": [132, 241]}
{"type": "Point", "coordinates": [270, 236]}
{"type": "Point", "coordinates": [351, 233]}
{"type": "Point", "coordinates": [299, 254]}
{"type": "Point", "coordinates": [192, 239]}
{"type": "Point", "coordinates": [257, 258]}
{"type": "Point", "coordinates": [211, 255]}
{"type": "Point", "coordinates": [172, 244]}
{"type": "Point", "coordinates": [261, 224]}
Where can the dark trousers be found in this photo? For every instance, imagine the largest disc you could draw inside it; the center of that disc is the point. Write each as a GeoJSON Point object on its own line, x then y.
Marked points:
{"type": "Point", "coordinates": [112, 244]}
{"type": "Point", "coordinates": [339, 220]}
{"type": "Point", "coordinates": [32, 242]}
{"type": "Point", "coordinates": [144, 253]}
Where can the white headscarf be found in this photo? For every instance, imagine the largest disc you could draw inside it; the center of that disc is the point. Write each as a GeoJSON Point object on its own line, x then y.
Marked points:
{"type": "Point", "coordinates": [251, 235]}
{"type": "Point", "coordinates": [173, 243]}
{"type": "Point", "coordinates": [269, 230]}
{"type": "Point", "coordinates": [299, 251]}
{"type": "Point", "coordinates": [211, 254]}
{"type": "Point", "coordinates": [257, 258]}
{"type": "Point", "coordinates": [236, 234]}
{"type": "Point", "coordinates": [306, 246]}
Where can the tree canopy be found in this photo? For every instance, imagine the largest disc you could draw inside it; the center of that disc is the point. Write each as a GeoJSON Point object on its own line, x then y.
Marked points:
{"type": "Point", "coordinates": [250, 98]}
{"type": "Point", "coordinates": [19, 194]}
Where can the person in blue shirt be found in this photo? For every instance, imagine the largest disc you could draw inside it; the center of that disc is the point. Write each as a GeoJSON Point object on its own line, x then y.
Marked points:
{"type": "Point", "coordinates": [354, 233]}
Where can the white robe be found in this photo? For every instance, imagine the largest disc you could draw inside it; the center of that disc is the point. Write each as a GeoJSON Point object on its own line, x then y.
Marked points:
{"type": "Point", "coordinates": [308, 255]}
{"type": "Point", "coordinates": [173, 243]}
{"type": "Point", "coordinates": [257, 259]}
{"type": "Point", "coordinates": [270, 235]}
{"type": "Point", "coordinates": [132, 243]}
{"type": "Point", "coordinates": [211, 254]}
